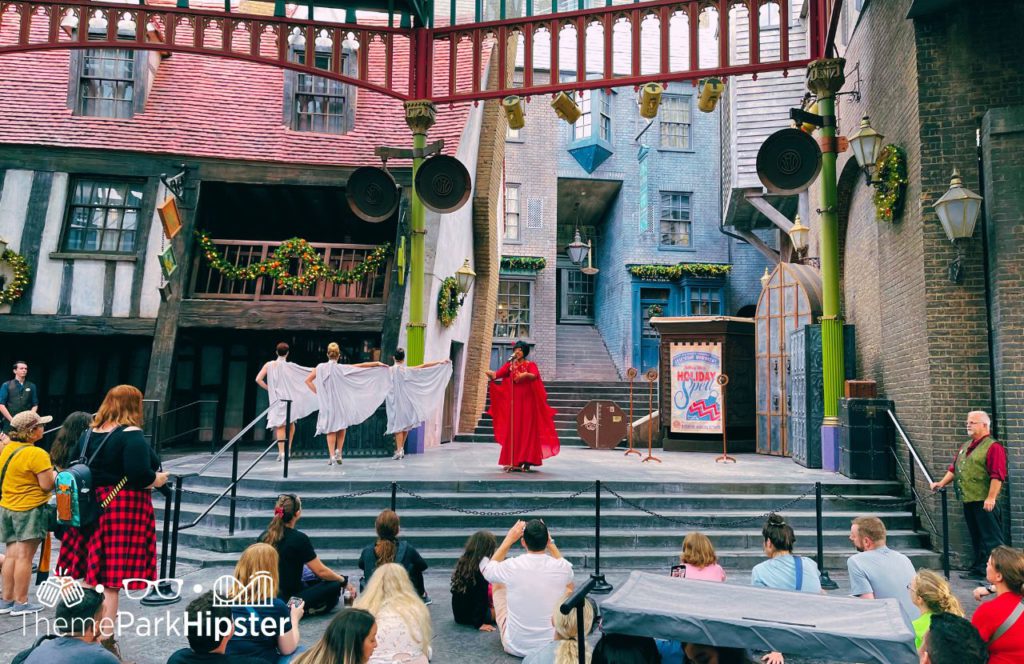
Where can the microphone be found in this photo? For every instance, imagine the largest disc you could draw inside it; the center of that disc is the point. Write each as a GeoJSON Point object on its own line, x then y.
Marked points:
{"type": "Point", "coordinates": [511, 357]}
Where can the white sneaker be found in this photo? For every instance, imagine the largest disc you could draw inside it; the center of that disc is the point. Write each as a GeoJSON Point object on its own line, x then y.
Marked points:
{"type": "Point", "coordinates": [337, 456]}
{"type": "Point", "coordinates": [399, 456]}
{"type": "Point", "coordinates": [330, 461]}
{"type": "Point", "coordinates": [280, 458]}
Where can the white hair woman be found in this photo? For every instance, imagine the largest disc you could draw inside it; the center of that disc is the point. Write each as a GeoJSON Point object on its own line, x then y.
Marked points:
{"type": "Point", "coordinates": [403, 620]}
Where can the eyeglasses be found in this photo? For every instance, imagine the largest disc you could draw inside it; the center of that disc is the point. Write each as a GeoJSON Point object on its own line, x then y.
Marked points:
{"type": "Point", "coordinates": [165, 588]}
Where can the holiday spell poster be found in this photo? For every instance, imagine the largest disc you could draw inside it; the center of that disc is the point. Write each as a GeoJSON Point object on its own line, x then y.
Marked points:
{"type": "Point", "coordinates": [696, 394]}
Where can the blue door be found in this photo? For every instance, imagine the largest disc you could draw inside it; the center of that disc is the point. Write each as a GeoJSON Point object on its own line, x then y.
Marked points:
{"type": "Point", "coordinates": [652, 302]}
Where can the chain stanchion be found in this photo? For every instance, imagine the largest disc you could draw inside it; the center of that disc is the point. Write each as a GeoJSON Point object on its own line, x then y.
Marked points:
{"type": "Point", "coordinates": [651, 376]}
{"type": "Point", "coordinates": [394, 496]}
{"type": "Point", "coordinates": [723, 380]}
{"type": "Point", "coordinates": [631, 374]}
{"type": "Point", "coordinates": [164, 592]}
{"type": "Point", "coordinates": [287, 434]}
{"type": "Point", "coordinates": [601, 586]}
{"type": "Point", "coordinates": [826, 581]}
{"type": "Point", "coordinates": [945, 531]}
{"type": "Point", "coordinates": [177, 523]}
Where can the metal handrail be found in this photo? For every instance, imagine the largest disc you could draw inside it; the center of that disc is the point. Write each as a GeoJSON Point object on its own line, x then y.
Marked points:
{"type": "Point", "coordinates": [188, 405]}
{"type": "Point", "coordinates": [910, 446]}
{"type": "Point", "coordinates": [228, 489]}
{"type": "Point", "coordinates": [233, 441]}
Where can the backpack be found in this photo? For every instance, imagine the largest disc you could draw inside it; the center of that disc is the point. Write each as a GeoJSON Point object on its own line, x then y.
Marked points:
{"type": "Point", "coordinates": [23, 655]}
{"type": "Point", "coordinates": [76, 499]}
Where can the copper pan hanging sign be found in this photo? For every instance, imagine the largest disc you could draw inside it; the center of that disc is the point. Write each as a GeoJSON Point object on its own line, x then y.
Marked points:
{"type": "Point", "coordinates": [443, 183]}
{"type": "Point", "coordinates": [788, 162]}
{"type": "Point", "coordinates": [372, 194]}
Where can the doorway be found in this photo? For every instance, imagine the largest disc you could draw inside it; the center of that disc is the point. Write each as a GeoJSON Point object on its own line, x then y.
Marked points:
{"type": "Point", "coordinates": [451, 394]}
{"type": "Point", "coordinates": [575, 297]}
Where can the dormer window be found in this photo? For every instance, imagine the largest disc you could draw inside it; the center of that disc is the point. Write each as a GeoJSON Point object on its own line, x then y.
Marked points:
{"type": "Point", "coordinates": [106, 87]}
{"type": "Point", "coordinates": [316, 103]}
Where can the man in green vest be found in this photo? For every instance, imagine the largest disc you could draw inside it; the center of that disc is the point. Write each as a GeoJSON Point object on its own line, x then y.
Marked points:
{"type": "Point", "coordinates": [978, 472]}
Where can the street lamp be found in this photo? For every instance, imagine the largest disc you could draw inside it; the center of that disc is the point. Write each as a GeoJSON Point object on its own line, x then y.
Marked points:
{"type": "Point", "coordinates": [464, 276]}
{"type": "Point", "coordinates": [577, 249]}
{"type": "Point", "coordinates": [798, 235]}
{"type": "Point", "coordinates": [867, 145]}
{"type": "Point", "coordinates": [958, 210]}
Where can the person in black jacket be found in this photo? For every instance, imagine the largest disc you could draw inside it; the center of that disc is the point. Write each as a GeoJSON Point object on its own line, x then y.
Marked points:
{"type": "Point", "coordinates": [295, 551]}
{"type": "Point", "coordinates": [471, 599]}
{"type": "Point", "coordinates": [387, 549]}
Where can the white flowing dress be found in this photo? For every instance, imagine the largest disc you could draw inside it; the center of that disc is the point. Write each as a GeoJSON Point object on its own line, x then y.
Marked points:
{"type": "Point", "coordinates": [286, 380]}
{"type": "Point", "coordinates": [348, 394]}
{"type": "Point", "coordinates": [415, 394]}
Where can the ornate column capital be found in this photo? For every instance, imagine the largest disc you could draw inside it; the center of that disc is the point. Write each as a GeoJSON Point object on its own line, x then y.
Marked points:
{"type": "Point", "coordinates": [825, 76]}
{"type": "Point", "coordinates": [420, 115]}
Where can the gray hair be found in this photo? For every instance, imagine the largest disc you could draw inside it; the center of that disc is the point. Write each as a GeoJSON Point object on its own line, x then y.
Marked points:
{"type": "Point", "coordinates": [985, 419]}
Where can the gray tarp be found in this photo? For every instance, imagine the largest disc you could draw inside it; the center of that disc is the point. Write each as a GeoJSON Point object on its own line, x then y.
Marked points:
{"type": "Point", "coordinates": [838, 628]}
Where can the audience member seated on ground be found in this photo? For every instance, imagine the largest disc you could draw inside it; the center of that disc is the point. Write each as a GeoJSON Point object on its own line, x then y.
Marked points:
{"type": "Point", "coordinates": [64, 450]}
{"type": "Point", "coordinates": [530, 585]}
{"type": "Point", "coordinates": [697, 653]}
{"type": "Point", "coordinates": [79, 634]}
{"type": "Point", "coordinates": [270, 633]}
{"type": "Point", "coordinates": [350, 638]}
{"type": "Point", "coordinates": [931, 594]}
{"type": "Point", "coordinates": [294, 551]}
{"type": "Point", "coordinates": [878, 572]}
{"type": "Point", "coordinates": [26, 480]}
{"type": "Point", "coordinates": [698, 561]}
{"type": "Point", "coordinates": [403, 621]}
{"type": "Point", "coordinates": [565, 648]}
{"type": "Point", "coordinates": [625, 649]}
{"type": "Point", "coordinates": [471, 594]}
{"type": "Point", "coordinates": [209, 628]}
{"type": "Point", "coordinates": [387, 549]}
{"type": "Point", "coordinates": [783, 570]}
{"type": "Point", "coordinates": [1005, 638]}
{"type": "Point", "coordinates": [953, 640]}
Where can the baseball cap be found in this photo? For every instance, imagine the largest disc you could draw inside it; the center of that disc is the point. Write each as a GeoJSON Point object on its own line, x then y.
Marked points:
{"type": "Point", "coordinates": [28, 420]}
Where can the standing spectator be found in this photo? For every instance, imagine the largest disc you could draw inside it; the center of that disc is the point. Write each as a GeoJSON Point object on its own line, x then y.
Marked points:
{"type": "Point", "coordinates": [387, 549]}
{"type": "Point", "coordinates": [471, 594]}
{"type": "Point", "coordinates": [953, 640]}
{"type": "Point", "coordinates": [783, 570]}
{"type": "Point", "coordinates": [351, 638]}
{"type": "Point", "coordinates": [267, 628]}
{"type": "Point", "coordinates": [26, 480]}
{"type": "Point", "coordinates": [698, 560]}
{"type": "Point", "coordinates": [403, 621]}
{"type": "Point", "coordinates": [77, 637]}
{"type": "Point", "coordinates": [17, 395]}
{"type": "Point", "coordinates": [64, 450]}
{"type": "Point", "coordinates": [565, 649]}
{"type": "Point", "coordinates": [209, 629]}
{"type": "Point", "coordinates": [531, 584]}
{"type": "Point", "coordinates": [978, 472]}
{"type": "Point", "coordinates": [878, 572]}
{"type": "Point", "coordinates": [932, 595]}
{"type": "Point", "coordinates": [294, 551]}
{"type": "Point", "coordinates": [999, 621]}
{"type": "Point", "coordinates": [121, 544]}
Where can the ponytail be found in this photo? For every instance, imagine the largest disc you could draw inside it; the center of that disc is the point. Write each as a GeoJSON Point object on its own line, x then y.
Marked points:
{"type": "Point", "coordinates": [935, 593]}
{"type": "Point", "coordinates": [285, 509]}
{"type": "Point", "coordinates": [387, 537]}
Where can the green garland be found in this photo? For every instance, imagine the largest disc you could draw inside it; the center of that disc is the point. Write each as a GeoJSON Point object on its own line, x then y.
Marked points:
{"type": "Point", "coordinates": [276, 266]}
{"type": "Point", "coordinates": [14, 290]}
{"type": "Point", "coordinates": [448, 301]}
{"type": "Point", "coordinates": [891, 169]}
{"type": "Point", "coordinates": [532, 263]}
{"type": "Point", "coordinates": [674, 272]}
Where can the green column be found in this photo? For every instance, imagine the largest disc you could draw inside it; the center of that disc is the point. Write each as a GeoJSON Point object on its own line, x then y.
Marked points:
{"type": "Point", "coordinates": [419, 115]}
{"type": "Point", "coordinates": [825, 78]}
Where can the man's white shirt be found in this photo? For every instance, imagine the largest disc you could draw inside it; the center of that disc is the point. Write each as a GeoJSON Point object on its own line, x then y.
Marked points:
{"type": "Point", "coordinates": [535, 582]}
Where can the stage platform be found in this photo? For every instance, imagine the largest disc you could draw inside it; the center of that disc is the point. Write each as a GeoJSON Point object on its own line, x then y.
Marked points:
{"type": "Point", "coordinates": [449, 492]}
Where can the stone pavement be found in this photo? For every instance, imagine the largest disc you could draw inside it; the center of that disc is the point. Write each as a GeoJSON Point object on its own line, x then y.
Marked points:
{"type": "Point", "coordinates": [453, 644]}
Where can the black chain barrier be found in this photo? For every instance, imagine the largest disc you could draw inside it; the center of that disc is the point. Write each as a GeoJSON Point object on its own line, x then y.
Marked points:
{"type": "Point", "coordinates": [256, 500]}
{"type": "Point", "coordinates": [869, 503]}
{"type": "Point", "coordinates": [711, 522]}
{"type": "Point", "coordinates": [525, 510]}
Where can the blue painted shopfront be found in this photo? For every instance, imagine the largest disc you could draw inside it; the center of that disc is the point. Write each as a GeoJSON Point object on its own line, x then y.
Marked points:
{"type": "Point", "coordinates": [685, 297]}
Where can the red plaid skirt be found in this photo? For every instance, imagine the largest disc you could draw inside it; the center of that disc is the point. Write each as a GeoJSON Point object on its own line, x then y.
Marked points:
{"type": "Point", "coordinates": [120, 545]}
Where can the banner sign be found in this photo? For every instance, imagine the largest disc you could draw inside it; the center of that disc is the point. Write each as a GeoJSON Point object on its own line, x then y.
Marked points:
{"type": "Point", "coordinates": [696, 396]}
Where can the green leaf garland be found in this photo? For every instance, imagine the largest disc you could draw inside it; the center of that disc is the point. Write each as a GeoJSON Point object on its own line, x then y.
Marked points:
{"type": "Point", "coordinates": [532, 263]}
{"type": "Point", "coordinates": [13, 291]}
{"type": "Point", "coordinates": [678, 271]}
{"type": "Point", "coordinates": [276, 266]}
{"type": "Point", "coordinates": [891, 171]}
{"type": "Point", "coordinates": [448, 301]}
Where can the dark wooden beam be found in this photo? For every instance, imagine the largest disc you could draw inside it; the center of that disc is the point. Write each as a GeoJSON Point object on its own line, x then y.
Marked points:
{"type": "Point", "coordinates": [37, 324]}
{"type": "Point", "coordinates": [309, 317]}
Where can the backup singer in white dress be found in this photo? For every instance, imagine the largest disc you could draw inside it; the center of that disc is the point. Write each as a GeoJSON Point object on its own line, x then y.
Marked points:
{"type": "Point", "coordinates": [284, 380]}
{"type": "Point", "coordinates": [348, 393]}
{"type": "Point", "coordinates": [416, 393]}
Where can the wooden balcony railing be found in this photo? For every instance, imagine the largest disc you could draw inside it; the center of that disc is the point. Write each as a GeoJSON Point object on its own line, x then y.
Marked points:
{"type": "Point", "coordinates": [211, 284]}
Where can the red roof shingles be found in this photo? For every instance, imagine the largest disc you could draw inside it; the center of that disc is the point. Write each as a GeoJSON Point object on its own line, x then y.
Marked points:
{"type": "Point", "coordinates": [204, 106]}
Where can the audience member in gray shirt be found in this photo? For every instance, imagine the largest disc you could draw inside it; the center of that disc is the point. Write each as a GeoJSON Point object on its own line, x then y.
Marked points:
{"type": "Point", "coordinates": [878, 572]}
{"type": "Point", "coordinates": [79, 631]}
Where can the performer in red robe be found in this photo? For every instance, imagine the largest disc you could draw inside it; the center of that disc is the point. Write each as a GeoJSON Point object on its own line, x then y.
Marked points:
{"type": "Point", "coordinates": [524, 423]}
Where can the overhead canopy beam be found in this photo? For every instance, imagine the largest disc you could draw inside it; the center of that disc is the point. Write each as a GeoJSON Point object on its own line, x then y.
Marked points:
{"type": "Point", "coordinates": [764, 207]}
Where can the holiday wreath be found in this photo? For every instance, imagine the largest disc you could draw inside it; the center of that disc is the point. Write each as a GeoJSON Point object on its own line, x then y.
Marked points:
{"type": "Point", "coordinates": [891, 168]}
{"type": "Point", "coordinates": [448, 301]}
{"type": "Point", "coordinates": [276, 266]}
{"type": "Point", "coordinates": [19, 282]}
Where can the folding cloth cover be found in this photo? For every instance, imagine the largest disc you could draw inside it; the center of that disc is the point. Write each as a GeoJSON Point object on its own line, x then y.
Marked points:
{"type": "Point", "coordinates": [836, 628]}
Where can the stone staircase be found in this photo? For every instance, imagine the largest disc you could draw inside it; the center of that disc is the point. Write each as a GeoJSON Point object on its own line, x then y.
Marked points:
{"type": "Point", "coordinates": [581, 355]}
{"type": "Point", "coordinates": [569, 398]}
{"type": "Point", "coordinates": [340, 526]}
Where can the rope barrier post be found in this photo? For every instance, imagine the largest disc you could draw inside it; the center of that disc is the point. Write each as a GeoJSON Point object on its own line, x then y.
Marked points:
{"type": "Point", "coordinates": [576, 601]}
{"type": "Point", "coordinates": [945, 531]}
{"type": "Point", "coordinates": [177, 523]}
{"type": "Point", "coordinates": [287, 434]}
{"type": "Point", "coordinates": [826, 582]}
{"type": "Point", "coordinates": [234, 489]}
{"type": "Point", "coordinates": [601, 586]}
{"type": "Point", "coordinates": [394, 496]}
{"type": "Point", "coordinates": [154, 597]}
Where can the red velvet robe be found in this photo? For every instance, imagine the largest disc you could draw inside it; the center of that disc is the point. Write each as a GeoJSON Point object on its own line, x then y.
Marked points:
{"type": "Point", "coordinates": [524, 423]}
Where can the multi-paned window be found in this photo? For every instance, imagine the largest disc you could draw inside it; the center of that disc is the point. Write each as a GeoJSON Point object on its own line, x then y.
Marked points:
{"type": "Point", "coordinates": [512, 227]}
{"type": "Point", "coordinates": [591, 102]}
{"type": "Point", "coordinates": [675, 219]}
{"type": "Point", "coordinates": [675, 122]}
{"type": "Point", "coordinates": [319, 102]}
{"type": "Point", "coordinates": [705, 301]}
{"type": "Point", "coordinates": [512, 318]}
{"type": "Point", "coordinates": [584, 125]}
{"type": "Point", "coordinates": [107, 84]}
{"type": "Point", "coordinates": [103, 215]}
